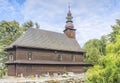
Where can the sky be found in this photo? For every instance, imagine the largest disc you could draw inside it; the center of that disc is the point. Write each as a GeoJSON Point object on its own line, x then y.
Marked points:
{"type": "Point", "coordinates": [91, 18]}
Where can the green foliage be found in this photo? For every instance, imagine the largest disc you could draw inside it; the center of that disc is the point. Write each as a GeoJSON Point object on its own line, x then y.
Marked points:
{"type": "Point", "coordinates": [116, 29]}
{"type": "Point", "coordinates": [2, 55]}
{"type": "Point", "coordinates": [108, 68]}
{"type": "Point", "coordinates": [9, 32]}
{"type": "Point", "coordinates": [37, 25]}
{"type": "Point", "coordinates": [94, 49]}
{"type": "Point", "coordinates": [30, 24]}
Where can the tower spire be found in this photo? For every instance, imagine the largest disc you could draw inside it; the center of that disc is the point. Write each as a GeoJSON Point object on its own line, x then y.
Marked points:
{"type": "Point", "coordinates": [69, 6]}
{"type": "Point", "coordinates": [69, 27]}
{"type": "Point", "coordinates": [69, 14]}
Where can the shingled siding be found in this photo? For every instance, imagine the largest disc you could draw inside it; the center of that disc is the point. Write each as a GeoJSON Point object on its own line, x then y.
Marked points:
{"type": "Point", "coordinates": [22, 54]}
{"type": "Point", "coordinates": [42, 69]}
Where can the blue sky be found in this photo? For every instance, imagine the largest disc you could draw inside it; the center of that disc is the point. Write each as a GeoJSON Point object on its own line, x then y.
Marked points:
{"type": "Point", "coordinates": [91, 18]}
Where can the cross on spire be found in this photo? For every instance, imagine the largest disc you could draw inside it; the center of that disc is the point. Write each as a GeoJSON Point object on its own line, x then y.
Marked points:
{"type": "Point", "coordinates": [69, 6]}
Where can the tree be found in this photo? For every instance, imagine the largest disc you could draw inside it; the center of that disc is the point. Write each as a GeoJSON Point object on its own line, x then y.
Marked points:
{"type": "Point", "coordinates": [103, 43]}
{"type": "Point", "coordinates": [3, 58]}
{"type": "Point", "coordinates": [108, 68]}
{"type": "Point", "coordinates": [94, 48]}
{"type": "Point", "coordinates": [37, 25]}
{"type": "Point", "coordinates": [28, 24]}
{"type": "Point", "coordinates": [115, 29]}
{"type": "Point", "coordinates": [9, 32]}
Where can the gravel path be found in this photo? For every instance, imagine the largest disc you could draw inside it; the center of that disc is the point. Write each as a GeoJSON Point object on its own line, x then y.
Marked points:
{"type": "Point", "coordinates": [70, 78]}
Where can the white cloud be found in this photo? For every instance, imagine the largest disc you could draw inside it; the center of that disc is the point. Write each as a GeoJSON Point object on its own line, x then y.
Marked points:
{"type": "Point", "coordinates": [41, 10]}
{"type": "Point", "coordinates": [5, 7]}
{"type": "Point", "coordinates": [92, 18]}
{"type": "Point", "coordinates": [10, 11]}
{"type": "Point", "coordinates": [94, 26]}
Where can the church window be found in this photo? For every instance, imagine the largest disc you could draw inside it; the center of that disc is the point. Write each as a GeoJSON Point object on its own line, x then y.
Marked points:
{"type": "Point", "coordinates": [59, 57]}
{"type": "Point", "coordinates": [11, 56]}
{"type": "Point", "coordinates": [29, 55]}
{"type": "Point", "coordinates": [73, 57]}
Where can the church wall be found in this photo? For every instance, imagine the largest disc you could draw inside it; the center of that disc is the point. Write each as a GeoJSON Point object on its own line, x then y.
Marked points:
{"type": "Point", "coordinates": [28, 70]}
{"type": "Point", "coordinates": [21, 69]}
{"type": "Point", "coordinates": [22, 54]}
{"type": "Point", "coordinates": [11, 70]}
{"type": "Point", "coordinates": [79, 58]}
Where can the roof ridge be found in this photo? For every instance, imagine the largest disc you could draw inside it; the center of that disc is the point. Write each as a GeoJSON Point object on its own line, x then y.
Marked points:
{"type": "Point", "coordinates": [47, 31]}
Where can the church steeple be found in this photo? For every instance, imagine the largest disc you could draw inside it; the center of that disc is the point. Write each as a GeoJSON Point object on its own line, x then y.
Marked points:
{"type": "Point", "coordinates": [69, 15]}
{"type": "Point", "coordinates": [69, 27]}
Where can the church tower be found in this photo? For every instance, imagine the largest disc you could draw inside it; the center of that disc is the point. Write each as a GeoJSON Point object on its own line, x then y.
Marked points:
{"type": "Point", "coordinates": [69, 27]}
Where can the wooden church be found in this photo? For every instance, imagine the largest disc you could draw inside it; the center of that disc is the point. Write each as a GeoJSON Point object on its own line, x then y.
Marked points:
{"type": "Point", "coordinates": [40, 51]}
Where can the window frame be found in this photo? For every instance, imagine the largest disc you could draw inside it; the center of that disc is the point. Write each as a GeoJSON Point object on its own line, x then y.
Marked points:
{"type": "Point", "coordinates": [29, 55]}
{"type": "Point", "coordinates": [73, 57]}
{"type": "Point", "coordinates": [11, 56]}
{"type": "Point", "coordinates": [59, 57]}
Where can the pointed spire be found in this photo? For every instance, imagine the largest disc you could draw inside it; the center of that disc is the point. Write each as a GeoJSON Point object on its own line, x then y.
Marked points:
{"type": "Point", "coordinates": [69, 8]}
{"type": "Point", "coordinates": [69, 15]}
{"type": "Point", "coordinates": [69, 5]}
{"type": "Point", "coordinates": [69, 19]}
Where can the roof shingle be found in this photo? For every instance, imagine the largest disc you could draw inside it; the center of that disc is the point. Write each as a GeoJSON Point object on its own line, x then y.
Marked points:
{"type": "Point", "coordinates": [38, 38]}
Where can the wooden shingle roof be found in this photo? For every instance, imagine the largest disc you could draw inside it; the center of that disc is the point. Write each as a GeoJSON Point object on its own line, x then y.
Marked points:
{"type": "Point", "coordinates": [37, 38]}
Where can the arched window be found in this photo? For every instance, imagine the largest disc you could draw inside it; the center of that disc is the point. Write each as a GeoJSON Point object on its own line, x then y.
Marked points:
{"type": "Point", "coordinates": [29, 55]}
{"type": "Point", "coordinates": [11, 57]}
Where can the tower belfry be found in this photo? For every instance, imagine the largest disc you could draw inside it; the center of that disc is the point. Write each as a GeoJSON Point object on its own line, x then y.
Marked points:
{"type": "Point", "coordinates": [69, 27]}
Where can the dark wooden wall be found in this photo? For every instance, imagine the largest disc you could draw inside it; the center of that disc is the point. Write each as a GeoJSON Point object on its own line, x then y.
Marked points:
{"type": "Point", "coordinates": [28, 70]}
{"type": "Point", "coordinates": [48, 55]}
{"type": "Point", "coordinates": [22, 54]}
